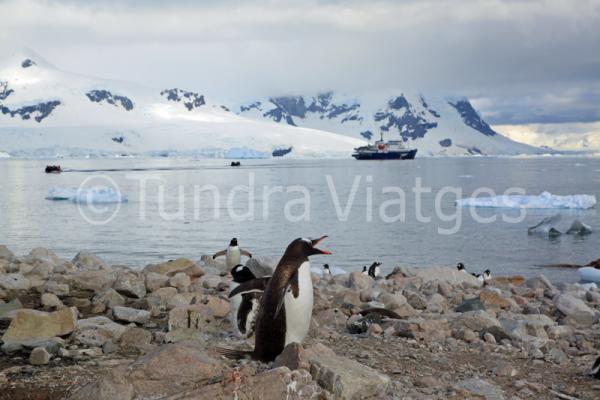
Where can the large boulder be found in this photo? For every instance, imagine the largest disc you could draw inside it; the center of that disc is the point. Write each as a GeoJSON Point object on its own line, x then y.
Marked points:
{"type": "Point", "coordinates": [167, 371]}
{"type": "Point", "coordinates": [14, 282]}
{"type": "Point", "coordinates": [478, 320]}
{"type": "Point", "coordinates": [96, 331]}
{"type": "Point", "coordinates": [576, 312]}
{"type": "Point", "coordinates": [94, 281]}
{"type": "Point", "coordinates": [129, 314]}
{"type": "Point", "coordinates": [31, 325]}
{"type": "Point", "coordinates": [130, 285]}
{"type": "Point", "coordinates": [86, 261]}
{"type": "Point", "coordinates": [360, 281]}
{"type": "Point", "coordinates": [345, 378]}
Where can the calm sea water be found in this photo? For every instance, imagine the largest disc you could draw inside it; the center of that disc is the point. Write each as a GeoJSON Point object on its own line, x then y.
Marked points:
{"type": "Point", "coordinates": [177, 213]}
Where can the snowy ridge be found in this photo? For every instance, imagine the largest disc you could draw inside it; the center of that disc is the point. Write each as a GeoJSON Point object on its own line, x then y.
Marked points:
{"type": "Point", "coordinates": [46, 112]}
{"type": "Point", "coordinates": [433, 126]}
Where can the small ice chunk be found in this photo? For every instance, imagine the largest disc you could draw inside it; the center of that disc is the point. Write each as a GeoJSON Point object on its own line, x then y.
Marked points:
{"type": "Point", "coordinates": [546, 226]}
{"type": "Point", "coordinates": [92, 195]}
{"type": "Point", "coordinates": [579, 228]}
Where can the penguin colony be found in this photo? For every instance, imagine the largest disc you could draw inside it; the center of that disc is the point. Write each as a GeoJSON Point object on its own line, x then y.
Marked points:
{"type": "Point", "coordinates": [278, 308]}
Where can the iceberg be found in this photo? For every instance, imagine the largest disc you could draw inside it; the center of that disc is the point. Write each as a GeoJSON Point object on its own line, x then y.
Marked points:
{"type": "Point", "coordinates": [93, 195]}
{"type": "Point", "coordinates": [545, 201]}
{"type": "Point", "coordinates": [546, 227]}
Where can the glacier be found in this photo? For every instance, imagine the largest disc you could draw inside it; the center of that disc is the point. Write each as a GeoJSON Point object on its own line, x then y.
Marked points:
{"type": "Point", "coordinates": [92, 195]}
{"type": "Point", "coordinates": [545, 200]}
{"type": "Point", "coordinates": [89, 113]}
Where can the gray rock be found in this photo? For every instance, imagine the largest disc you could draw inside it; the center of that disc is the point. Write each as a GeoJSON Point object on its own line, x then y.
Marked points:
{"type": "Point", "coordinates": [261, 266]}
{"type": "Point", "coordinates": [94, 281]}
{"type": "Point", "coordinates": [470, 305]}
{"type": "Point", "coordinates": [155, 281]}
{"type": "Point", "coordinates": [30, 325]}
{"type": "Point", "coordinates": [180, 280]}
{"type": "Point", "coordinates": [130, 285]}
{"type": "Point", "coordinates": [9, 307]}
{"type": "Point", "coordinates": [576, 312]}
{"type": "Point", "coordinates": [14, 282]}
{"type": "Point", "coordinates": [360, 281]}
{"type": "Point", "coordinates": [39, 356]}
{"type": "Point", "coordinates": [479, 321]}
{"type": "Point", "coordinates": [136, 340]}
{"type": "Point", "coordinates": [540, 282]}
{"type": "Point", "coordinates": [86, 261]}
{"type": "Point", "coordinates": [96, 331]}
{"type": "Point", "coordinates": [479, 387]}
{"type": "Point", "coordinates": [51, 301]}
{"type": "Point", "coordinates": [415, 299]}
{"type": "Point", "coordinates": [346, 378]}
{"type": "Point", "coordinates": [131, 315]}
{"type": "Point", "coordinates": [110, 298]}
{"type": "Point", "coordinates": [6, 254]}
{"type": "Point", "coordinates": [59, 289]}
{"type": "Point", "coordinates": [445, 274]}
{"type": "Point", "coordinates": [43, 254]}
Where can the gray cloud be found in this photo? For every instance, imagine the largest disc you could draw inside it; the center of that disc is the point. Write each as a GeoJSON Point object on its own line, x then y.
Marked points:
{"type": "Point", "coordinates": [516, 57]}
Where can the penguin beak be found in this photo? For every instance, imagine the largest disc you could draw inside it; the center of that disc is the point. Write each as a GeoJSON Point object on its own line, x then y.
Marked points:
{"type": "Point", "coordinates": [315, 242]}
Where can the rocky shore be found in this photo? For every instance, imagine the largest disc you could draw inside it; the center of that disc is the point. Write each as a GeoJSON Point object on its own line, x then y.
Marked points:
{"type": "Point", "coordinates": [82, 329]}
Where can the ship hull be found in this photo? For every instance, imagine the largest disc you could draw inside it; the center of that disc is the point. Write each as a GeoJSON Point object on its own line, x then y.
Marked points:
{"type": "Point", "coordinates": [388, 155]}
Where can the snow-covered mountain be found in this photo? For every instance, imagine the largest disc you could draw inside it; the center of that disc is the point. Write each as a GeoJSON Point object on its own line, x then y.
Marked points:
{"type": "Point", "coordinates": [434, 126]}
{"type": "Point", "coordinates": [48, 112]}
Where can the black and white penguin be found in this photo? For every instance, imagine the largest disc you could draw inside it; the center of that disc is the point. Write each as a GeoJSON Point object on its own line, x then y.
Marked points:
{"type": "Point", "coordinates": [286, 306]}
{"type": "Point", "coordinates": [326, 269]}
{"type": "Point", "coordinates": [374, 270]}
{"type": "Point", "coordinates": [596, 369]}
{"type": "Point", "coordinates": [244, 307]}
{"type": "Point", "coordinates": [487, 275]}
{"type": "Point", "coordinates": [233, 254]}
{"type": "Point", "coordinates": [461, 267]}
{"type": "Point", "coordinates": [365, 271]}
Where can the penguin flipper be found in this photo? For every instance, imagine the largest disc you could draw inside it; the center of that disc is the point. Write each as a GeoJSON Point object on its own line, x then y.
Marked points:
{"type": "Point", "coordinates": [253, 285]}
{"type": "Point", "coordinates": [292, 285]}
{"type": "Point", "coordinates": [219, 254]}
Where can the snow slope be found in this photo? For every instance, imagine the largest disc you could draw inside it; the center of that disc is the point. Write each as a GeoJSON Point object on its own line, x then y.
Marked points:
{"type": "Point", "coordinates": [48, 112]}
{"type": "Point", "coordinates": [433, 126]}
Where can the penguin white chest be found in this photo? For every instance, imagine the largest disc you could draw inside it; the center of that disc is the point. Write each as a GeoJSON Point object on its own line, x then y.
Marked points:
{"type": "Point", "coordinates": [234, 304]}
{"type": "Point", "coordinates": [298, 310]}
{"type": "Point", "coordinates": [233, 256]}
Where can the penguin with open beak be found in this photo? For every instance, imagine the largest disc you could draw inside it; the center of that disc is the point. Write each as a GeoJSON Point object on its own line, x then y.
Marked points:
{"type": "Point", "coordinates": [286, 306]}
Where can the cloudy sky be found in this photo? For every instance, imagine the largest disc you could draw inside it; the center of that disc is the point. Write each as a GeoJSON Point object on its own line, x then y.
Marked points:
{"type": "Point", "coordinates": [523, 62]}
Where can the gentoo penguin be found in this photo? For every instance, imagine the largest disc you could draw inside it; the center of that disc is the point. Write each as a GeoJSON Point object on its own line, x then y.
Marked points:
{"type": "Point", "coordinates": [374, 270]}
{"type": "Point", "coordinates": [326, 269]}
{"type": "Point", "coordinates": [461, 267]}
{"type": "Point", "coordinates": [596, 369]}
{"type": "Point", "coordinates": [487, 275]}
{"type": "Point", "coordinates": [364, 271]}
{"type": "Point", "coordinates": [233, 254]}
{"type": "Point", "coordinates": [244, 307]}
{"type": "Point", "coordinates": [286, 306]}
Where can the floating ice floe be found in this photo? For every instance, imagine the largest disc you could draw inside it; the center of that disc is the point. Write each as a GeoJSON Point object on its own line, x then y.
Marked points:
{"type": "Point", "coordinates": [96, 195]}
{"type": "Point", "coordinates": [544, 200]}
{"type": "Point", "coordinates": [546, 226]}
{"type": "Point", "coordinates": [589, 274]}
